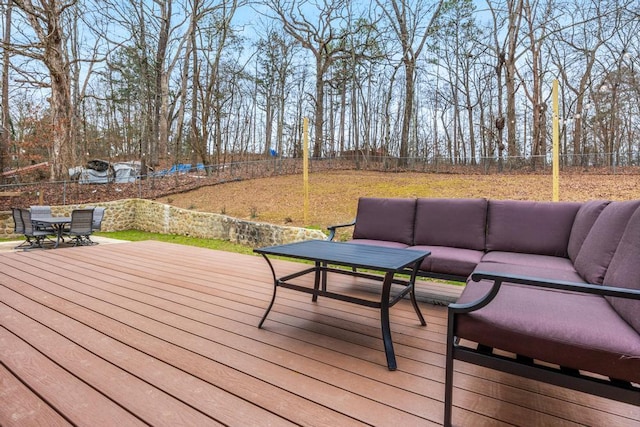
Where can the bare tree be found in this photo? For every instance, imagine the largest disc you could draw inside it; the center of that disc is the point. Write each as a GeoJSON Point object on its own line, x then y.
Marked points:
{"type": "Point", "coordinates": [510, 57]}
{"type": "Point", "coordinates": [320, 28]}
{"type": "Point", "coordinates": [615, 92]}
{"type": "Point", "coordinates": [460, 36]}
{"type": "Point", "coordinates": [162, 72]}
{"type": "Point", "coordinates": [158, 35]}
{"type": "Point", "coordinates": [45, 18]}
{"type": "Point", "coordinates": [537, 19]}
{"type": "Point", "coordinates": [592, 51]}
{"type": "Point", "coordinates": [407, 20]}
{"type": "Point", "coordinates": [216, 74]}
{"type": "Point", "coordinates": [505, 44]}
{"type": "Point", "coordinates": [195, 15]}
{"type": "Point", "coordinates": [274, 56]}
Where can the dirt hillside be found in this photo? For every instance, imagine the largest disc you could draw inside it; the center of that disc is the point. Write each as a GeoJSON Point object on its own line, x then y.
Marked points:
{"type": "Point", "coordinates": [333, 195]}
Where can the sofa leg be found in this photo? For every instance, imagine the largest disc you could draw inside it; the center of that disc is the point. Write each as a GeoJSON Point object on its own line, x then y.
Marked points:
{"type": "Point", "coordinates": [448, 393]}
{"type": "Point", "coordinates": [448, 381]}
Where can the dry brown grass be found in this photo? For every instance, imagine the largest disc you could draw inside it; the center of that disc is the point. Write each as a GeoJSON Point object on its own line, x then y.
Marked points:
{"type": "Point", "coordinates": [333, 196]}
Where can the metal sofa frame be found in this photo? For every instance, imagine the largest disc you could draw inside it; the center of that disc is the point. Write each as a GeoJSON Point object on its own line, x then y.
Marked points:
{"type": "Point", "coordinates": [615, 389]}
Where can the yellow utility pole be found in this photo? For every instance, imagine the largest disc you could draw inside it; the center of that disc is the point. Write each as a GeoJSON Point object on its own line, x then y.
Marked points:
{"type": "Point", "coordinates": [305, 167]}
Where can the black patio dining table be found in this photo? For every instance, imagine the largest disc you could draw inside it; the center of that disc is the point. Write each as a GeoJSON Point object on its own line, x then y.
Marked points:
{"type": "Point", "coordinates": [58, 223]}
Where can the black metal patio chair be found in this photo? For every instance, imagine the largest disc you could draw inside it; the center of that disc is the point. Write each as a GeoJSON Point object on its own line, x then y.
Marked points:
{"type": "Point", "coordinates": [18, 228]}
{"type": "Point", "coordinates": [31, 232]}
{"type": "Point", "coordinates": [39, 211]}
{"type": "Point", "coordinates": [98, 216]}
{"type": "Point", "coordinates": [81, 227]}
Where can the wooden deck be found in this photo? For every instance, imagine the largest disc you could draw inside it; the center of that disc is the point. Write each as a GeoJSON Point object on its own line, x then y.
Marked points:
{"type": "Point", "coordinates": [162, 334]}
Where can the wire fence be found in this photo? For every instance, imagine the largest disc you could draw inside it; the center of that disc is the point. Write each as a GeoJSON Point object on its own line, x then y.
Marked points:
{"type": "Point", "coordinates": [72, 192]}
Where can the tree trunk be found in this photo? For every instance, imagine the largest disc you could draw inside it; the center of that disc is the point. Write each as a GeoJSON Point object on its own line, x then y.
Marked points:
{"type": "Point", "coordinates": [355, 124]}
{"type": "Point", "coordinates": [280, 130]}
{"type": "Point", "coordinates": [61, 119]}
{"type": "Point", "coordinates": [343, 117]}
{"type": "Point", "coordinates": [5, 130]}
{"type": "Point", "coordinates": [319, 113]}
{"type": "Point", "coordinates": [408, 109]}
{"type": "Point", "coordinates": [269, 114]}
{"type": "Point", "coordinates": [161, 87]}
{"type": "Point", "coordinates": [184, 88]}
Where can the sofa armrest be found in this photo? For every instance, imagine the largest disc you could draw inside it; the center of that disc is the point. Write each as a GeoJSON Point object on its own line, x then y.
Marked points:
{"type": "Point", "coordinates": [332, 228]}
{"type": "Point", "coordinates": [500, 278]}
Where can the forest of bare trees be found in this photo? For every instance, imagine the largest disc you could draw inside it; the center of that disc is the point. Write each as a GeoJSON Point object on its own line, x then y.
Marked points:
{"type": "Point", "coordinates": [460, 82]}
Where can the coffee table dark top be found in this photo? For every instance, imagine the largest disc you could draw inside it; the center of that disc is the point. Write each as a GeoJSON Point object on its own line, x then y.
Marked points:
{"type": "Point", "coordinates": [348, 254]}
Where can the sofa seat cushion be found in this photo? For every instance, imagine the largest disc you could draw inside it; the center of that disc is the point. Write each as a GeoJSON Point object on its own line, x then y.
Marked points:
{"type": "Point", "coordinates": [385, 219]}
{"type": "Point", "coordinates": [530, 227]}
{"type": "Point", "coordinates": [385, 243]}
{"type": "Point", "coordinates": [602, 241]}
{"type": "Point", "coordinates": [446, 260]}
{"type": "Point", "coordinates": [458, 223]}
{"type": "Point", "coordinates": [569, 329]}
{"type": "Point", "coordinates": [624, 272]}
{"type": "Point", "coordinates": [533, 260]}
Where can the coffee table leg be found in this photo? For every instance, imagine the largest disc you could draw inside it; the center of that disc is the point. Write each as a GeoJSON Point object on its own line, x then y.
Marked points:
{"type": "Point", "coordinates": [275, 288]}
{"type": "Point", "coordinates": [384, 320]}
{"type": "Point", "coordinates": [412, 293]}
{"type": "Point", "coordinates": [316, 282]}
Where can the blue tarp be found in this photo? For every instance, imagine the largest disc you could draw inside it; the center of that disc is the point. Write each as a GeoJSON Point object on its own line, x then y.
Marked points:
{"type": "Point", "coordinates": [179, 168]}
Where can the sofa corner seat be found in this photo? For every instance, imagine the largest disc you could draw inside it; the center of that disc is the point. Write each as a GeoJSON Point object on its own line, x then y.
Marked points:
{"type": "Point", "coordinates": [542, 310]}
{"type": "Point", "coordinates": [564, 288]}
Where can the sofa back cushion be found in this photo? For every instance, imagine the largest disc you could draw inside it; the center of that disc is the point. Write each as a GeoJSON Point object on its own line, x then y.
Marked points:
{"type": "Point", "coordinates": [457, 223]}
{"type": "Point", "coordinates": [585, 218]}
{"type": "Point", "coordinates": [541, 228]}
{"type": "Point", "coordinates": [602, 241]}
{"type": "Point", "coordinates": [624, 272]}
{"type": "Point", "coordinates": [385, 219]}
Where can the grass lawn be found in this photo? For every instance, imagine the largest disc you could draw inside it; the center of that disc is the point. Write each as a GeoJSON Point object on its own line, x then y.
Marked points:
{"type": "Point", "coordinates": [136, 235]}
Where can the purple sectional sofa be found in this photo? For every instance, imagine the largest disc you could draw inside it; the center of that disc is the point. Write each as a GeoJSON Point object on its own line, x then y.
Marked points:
{"type": "Point", "coordinates": [557, 283]}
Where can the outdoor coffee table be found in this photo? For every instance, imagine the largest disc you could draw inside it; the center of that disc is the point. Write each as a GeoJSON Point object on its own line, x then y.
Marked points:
{"type": "Point", "coordinates": [327, 255]}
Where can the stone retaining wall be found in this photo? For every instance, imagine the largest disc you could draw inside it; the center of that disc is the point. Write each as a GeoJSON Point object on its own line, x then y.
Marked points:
{"type": "Point", "coordinates": [147, 215]}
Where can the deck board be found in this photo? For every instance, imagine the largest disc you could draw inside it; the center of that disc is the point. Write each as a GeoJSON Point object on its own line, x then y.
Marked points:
{"type": "Point", "coordinates": [165, 334]}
